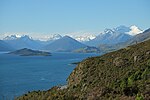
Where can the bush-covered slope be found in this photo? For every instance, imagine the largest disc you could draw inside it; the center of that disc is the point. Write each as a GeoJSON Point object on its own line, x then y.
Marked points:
{"type": "Point", "coordinates": [120, 75]}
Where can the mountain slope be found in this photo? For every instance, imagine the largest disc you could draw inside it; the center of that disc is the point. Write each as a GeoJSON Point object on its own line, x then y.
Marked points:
{"type": "Point", "coordinates": [64, 44]}
{"type": "Point", "coordinates": [119, 75]}
{"type": "Point", "coordinates": [5, 47]}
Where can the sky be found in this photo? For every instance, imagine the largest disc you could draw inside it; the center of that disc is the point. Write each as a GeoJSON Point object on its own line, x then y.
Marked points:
{"type": "Point", "coordinates": [44, 17]}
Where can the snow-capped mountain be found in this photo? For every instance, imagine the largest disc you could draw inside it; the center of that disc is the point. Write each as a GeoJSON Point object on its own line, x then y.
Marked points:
{"type": "Point", "coordinates": [54, 37]}
{"type": "Point", "coordinates": [22, 42]}
{"type": "Point", "coordinates": [134, 30]}
{"type": "Point", "coordinates": [84, 38]}
{"type": "Point", "coordinates": [15, 37]}
{"type": "Point", "coordinates": [115, 35]}
{"type": "Point", "coordinates": [12, 37]}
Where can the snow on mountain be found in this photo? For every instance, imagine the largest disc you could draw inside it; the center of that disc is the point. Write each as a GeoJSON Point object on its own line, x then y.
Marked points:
{"type": "Point", "coordinates": [12, 37]}
{"type": "Point", "coordinates": [84, 38]}
{"type": "Point", "coordinates": [54, 37]}
{"type": "Point", "coordinates": [108, 31]}
{"type": "Point", "coordinates": [134, 30]}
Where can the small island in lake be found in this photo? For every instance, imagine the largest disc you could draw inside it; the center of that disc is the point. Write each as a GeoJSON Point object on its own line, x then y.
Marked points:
{"type": "Point", "coordinates": [29, 52]}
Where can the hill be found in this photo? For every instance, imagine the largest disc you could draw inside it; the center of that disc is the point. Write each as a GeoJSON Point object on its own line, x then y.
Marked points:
{"type": "Point", "coordinates": [29, 52]}
{"type": "Point", "coordinates": [121, 75]}
{"type": "Point", "coordinates": [64, 44]}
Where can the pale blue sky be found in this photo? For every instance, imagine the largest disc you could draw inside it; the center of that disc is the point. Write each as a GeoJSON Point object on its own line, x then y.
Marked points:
{"type": "Point", "coordinates": [67, 16]}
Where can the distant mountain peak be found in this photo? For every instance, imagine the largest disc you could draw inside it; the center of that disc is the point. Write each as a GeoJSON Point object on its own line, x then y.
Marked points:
{"type": "Point", "coordinates": [54, 37]}
{"type": "Point", "coordinates": [66, 36]}
{"type": "Point", "coordinates": [108, 31]}
{"type": "Point", "coordinates": [122, 29]}
{"type": "Point", "coordinates": [64, 44]}
{"type": "Point", "coordinates": [84, 37]}
{"type": "Point", "coordinates": [134, 30]}
{"type": "Point", "coordinates": [14, 37]}
{"type": "Point", "coordinates": [11, 37]}
{"type": "Point", "coordinates": [25, 37]}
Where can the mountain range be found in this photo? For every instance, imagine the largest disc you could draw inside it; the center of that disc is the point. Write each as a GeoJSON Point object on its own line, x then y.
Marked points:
{"type": "Point", "coordinates": [22, 42]}
{"type": "Point", "coordinates": [115, 35]}
{"type": "Point", "coordinates": [110, 39]}
{"type": "Point", "coordinates": [145, 35]}
{"type": "Point", "coordinates": [55, 43]}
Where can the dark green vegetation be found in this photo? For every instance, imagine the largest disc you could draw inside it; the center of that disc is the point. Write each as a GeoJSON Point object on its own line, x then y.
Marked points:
{"type": "Point", "coordinates": [29, 52]}
{"type": "Point", "coordinates": [119, 75]}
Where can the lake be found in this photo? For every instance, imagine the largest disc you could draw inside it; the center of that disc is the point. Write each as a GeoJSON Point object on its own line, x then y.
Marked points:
{"type": "Point", "coordinates": [20, 74]}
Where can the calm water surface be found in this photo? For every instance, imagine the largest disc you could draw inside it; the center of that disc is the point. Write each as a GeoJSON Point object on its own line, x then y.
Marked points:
{"type": "Point", "coordinates": [20, 74]}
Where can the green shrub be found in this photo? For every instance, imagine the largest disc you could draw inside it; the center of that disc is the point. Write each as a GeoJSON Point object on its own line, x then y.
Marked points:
{"type": "Point", "coordinates": [130, 80]}
{"type": "Point", "coordinates": [148, 62]}
{"type": "Point", "coordinates": [123, 84]}
{"type": "Point", "coordinates": [145, 73]}
{"type": "Point", "coordinates": [139, 97]}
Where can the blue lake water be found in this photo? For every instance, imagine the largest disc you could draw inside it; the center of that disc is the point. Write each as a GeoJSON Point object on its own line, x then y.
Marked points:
{"type": "Point", "coordinates": [20, 74]}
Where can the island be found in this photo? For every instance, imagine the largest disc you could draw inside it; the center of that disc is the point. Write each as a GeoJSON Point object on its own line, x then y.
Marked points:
{"type": "Point", "coordinates": [30, 52]}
